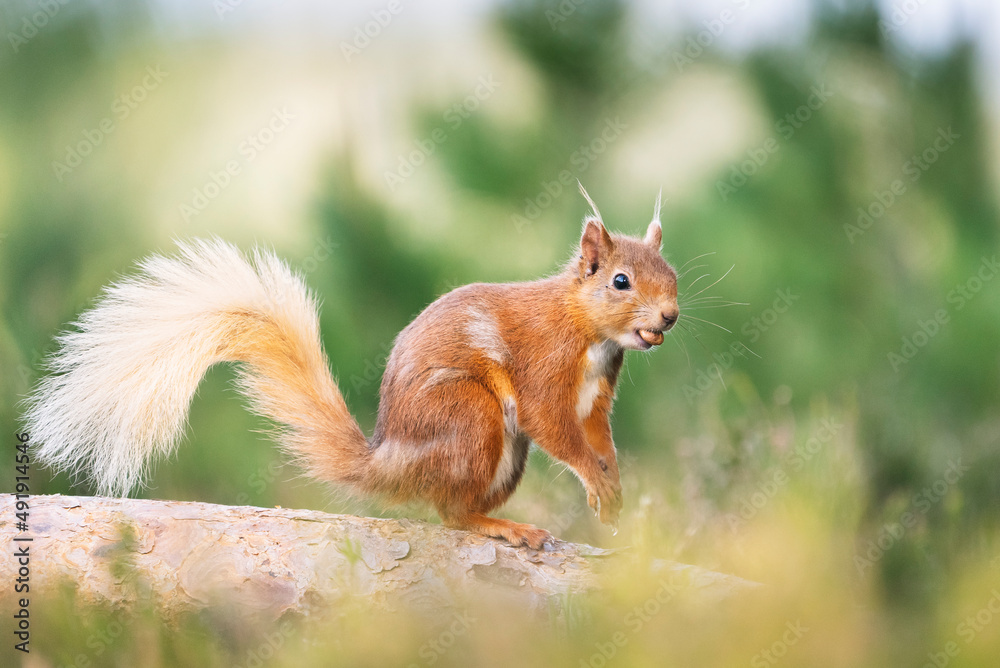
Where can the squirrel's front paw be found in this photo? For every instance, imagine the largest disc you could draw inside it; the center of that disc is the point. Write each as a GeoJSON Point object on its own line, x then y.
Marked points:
{"type": "Point", "coordinates": [605, 499]}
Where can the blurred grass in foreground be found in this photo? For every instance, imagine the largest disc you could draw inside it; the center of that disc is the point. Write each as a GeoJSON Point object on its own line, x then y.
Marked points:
{"type": "Point", "coordinates": [795, 529]}
{"type": "Point", "coordinates": [800, 544]}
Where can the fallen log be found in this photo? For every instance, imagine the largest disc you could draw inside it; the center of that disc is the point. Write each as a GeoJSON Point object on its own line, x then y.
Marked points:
{"type": "Point", "coordinates": [267, 562]}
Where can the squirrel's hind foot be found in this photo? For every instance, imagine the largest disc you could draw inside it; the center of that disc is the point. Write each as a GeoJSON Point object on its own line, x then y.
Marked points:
{"type": "Point", "coordinates": [515, 533]}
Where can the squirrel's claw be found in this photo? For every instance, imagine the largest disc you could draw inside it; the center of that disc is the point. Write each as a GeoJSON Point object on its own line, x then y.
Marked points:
{"type": "Point", "coordinates": [594, 501]}
{"type": "Point", "coordinates": [606, 506]}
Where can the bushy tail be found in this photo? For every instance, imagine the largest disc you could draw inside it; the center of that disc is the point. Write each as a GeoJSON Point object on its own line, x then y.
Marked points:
{"type": "Point", "coordinates": [120, 387]}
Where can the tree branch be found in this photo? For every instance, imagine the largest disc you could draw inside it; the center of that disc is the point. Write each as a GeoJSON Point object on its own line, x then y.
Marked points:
{"type": "Point", "coordinates": [266, 561]}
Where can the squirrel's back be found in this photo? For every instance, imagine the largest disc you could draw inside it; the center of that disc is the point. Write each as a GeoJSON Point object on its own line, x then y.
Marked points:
{"type": "Point", "coordinates": [503, 336]}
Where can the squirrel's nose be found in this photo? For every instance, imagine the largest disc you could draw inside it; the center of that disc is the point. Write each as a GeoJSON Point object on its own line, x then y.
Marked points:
{"type": "Point", "coordinates": [669, 317]}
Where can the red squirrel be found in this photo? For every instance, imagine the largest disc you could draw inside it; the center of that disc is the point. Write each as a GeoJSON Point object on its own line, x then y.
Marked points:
{"type": "Point", "coordinates": [478, 375]}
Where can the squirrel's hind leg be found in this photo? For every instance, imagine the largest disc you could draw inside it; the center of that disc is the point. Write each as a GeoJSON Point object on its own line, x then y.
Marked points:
{"type": "Point", "coordinates": [476, 467]}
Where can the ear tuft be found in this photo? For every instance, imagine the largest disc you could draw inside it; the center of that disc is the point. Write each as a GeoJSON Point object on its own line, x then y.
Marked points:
{"type": "Point", "coordinates": [654, 233]}
{"type": "Point", "coordinates": [593, 207]}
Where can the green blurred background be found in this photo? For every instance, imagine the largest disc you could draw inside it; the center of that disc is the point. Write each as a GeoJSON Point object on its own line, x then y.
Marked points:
{"type": "Point", "coordinates": [838, 159]}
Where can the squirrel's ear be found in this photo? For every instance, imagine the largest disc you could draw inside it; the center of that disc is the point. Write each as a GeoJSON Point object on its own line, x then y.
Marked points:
{"type": "Point", "coordinates": [654, 233]}
{"type": "Point", "coordinates": [595, 244]}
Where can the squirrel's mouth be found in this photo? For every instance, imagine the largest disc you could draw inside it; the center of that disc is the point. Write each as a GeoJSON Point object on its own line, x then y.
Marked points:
{"type": "Point", "coordinates": [651, 337]}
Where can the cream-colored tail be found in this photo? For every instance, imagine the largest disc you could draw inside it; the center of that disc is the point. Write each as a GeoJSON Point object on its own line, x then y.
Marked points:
{"type": "Point", "coordinates": [121, 386]}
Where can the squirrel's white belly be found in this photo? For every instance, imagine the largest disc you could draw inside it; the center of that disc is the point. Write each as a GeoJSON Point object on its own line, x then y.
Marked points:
{"type": "Point", "coordinates": [599, 358]}
{"type": "Point", "coordinates": [589, 389]}
{"type": "Point", "coordinates": [513, 443]}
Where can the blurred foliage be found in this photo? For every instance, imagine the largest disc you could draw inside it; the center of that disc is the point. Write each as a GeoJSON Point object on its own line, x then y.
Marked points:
{"type": "Point", "coordinates": [703, 425]}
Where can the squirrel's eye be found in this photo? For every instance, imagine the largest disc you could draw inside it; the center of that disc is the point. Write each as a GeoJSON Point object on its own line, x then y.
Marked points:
{"type": "Point", "coordinates": [621, 282]}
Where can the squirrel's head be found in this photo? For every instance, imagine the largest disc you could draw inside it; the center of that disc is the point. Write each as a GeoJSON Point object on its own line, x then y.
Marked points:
{"type": "Point", "coordinates": [626, 290]}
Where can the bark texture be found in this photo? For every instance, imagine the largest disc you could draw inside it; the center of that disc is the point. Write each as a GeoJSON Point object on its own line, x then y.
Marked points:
{"type": "Point", "coordinates": [270, 561]}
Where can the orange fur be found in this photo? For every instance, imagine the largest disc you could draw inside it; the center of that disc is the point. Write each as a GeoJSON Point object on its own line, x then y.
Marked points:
{"type": "Point", "coordinates": [477, 376]}
{"type": "Point", "coordinates": [517, 355]}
